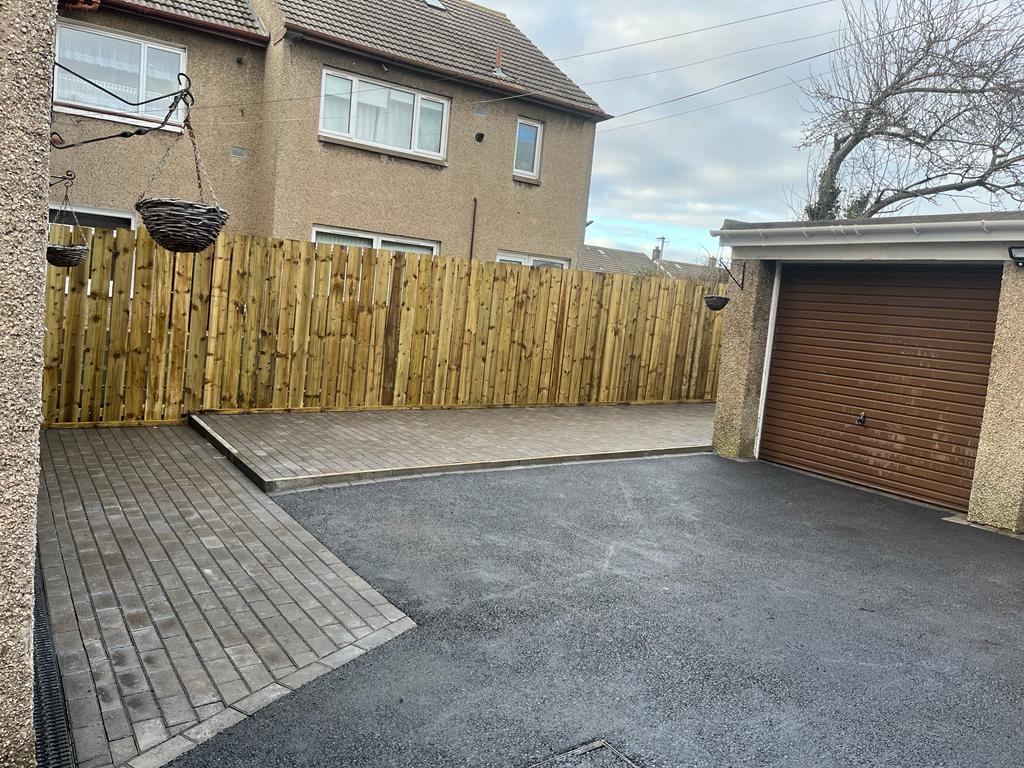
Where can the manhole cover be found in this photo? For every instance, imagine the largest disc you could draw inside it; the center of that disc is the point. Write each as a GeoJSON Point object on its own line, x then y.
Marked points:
{"type": "Point", "coordinates": [597, 754]}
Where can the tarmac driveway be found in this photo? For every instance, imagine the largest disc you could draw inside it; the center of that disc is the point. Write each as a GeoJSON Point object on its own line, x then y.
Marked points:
{"type": "Point", "coordinates": [690, 611]}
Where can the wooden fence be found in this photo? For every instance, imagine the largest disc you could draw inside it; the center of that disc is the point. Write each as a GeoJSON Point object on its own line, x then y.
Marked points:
{"type": "Point", "coordinates": [137, 334]}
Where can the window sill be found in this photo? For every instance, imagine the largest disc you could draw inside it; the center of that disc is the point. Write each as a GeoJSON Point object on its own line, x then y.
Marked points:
{"type": "Point", "coordinates": [405, 155]}
{"type": "Point", "coordinates": [112, 117]}
{"type": "Point", "coordinates": [526, 180]}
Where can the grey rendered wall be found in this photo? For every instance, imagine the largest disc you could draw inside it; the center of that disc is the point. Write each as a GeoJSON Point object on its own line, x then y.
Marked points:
{"type": "Point", "coordinates": [26, 35]}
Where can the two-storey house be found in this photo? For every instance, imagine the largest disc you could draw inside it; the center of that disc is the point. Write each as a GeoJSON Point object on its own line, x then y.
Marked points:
{"type": "Point", "coordinates": [420, 125]}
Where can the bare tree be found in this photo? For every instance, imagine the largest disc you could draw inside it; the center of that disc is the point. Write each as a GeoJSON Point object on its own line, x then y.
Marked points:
{"type": "Point", "coordinates": [924, 98]}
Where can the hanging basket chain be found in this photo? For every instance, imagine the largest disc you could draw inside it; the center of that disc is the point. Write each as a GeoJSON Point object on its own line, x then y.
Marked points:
{"type": "Point", "coordinates": [66, 207]}
{"type": "Point", "coordinates": [179, 225]}
{"type": "Point", "coordinates": [201, 173]}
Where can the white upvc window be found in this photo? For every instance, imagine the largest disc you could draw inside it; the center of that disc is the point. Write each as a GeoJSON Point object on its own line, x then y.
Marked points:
{"type": "Point", "coordinates": [357, 239]}
{"type": "Point", "coordinates": [383, 116]}
{"type": "Point", "coordinates": [529, 260]}
{"type": "Point", "coordinates": [99, 218]}
{"type": "Point", "coordinates": [133, 68]}
{"type": "Point", "coordinates": [529, 145]}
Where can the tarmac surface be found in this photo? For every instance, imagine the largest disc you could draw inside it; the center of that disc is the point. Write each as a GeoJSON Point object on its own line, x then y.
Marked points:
{"type": "Point", "coordinates": [688, 611]}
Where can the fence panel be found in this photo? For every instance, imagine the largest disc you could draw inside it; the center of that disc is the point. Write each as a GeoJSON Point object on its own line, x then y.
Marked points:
{"type": "Point", "coordinates": [136, 334]}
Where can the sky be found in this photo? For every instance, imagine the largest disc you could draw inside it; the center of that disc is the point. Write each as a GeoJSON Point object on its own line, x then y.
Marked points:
{"type": "Point", "coordinates": [683, 176]}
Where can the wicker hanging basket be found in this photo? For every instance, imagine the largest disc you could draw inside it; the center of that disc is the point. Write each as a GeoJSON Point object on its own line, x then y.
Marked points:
{"type": "Point", "coordinates": [64, 254]}
{"type": "Point", "coordinates": [716, 303]}
{"type": "Point", "coordinates": [179, 225]}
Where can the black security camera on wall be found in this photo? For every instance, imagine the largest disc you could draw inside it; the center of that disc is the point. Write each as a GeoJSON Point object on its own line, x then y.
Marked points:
{"type": "Point", "coordinates": [1017, 255]}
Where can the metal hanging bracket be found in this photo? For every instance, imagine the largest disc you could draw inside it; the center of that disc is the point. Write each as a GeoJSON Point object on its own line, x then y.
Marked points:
{"type": "Point", "coordinates": [743, 274]}
{"type": "Point", "coordinates": [181, 96]}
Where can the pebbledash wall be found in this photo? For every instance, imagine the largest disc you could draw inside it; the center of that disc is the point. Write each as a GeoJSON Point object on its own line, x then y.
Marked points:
{"type": "Point", "coordinates": [26, 42]}
{"type": "Point", "coordinates": [264, 99]}
{"type": "Point", "coordinates": [997, 496]}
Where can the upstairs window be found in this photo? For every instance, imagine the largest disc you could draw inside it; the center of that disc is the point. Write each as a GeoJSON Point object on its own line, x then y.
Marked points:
{"type": "Point", "coordinates": [529, 140]}
{"type": "Point", "coordinates": [382, 116]}
{"type": "Point", "coordinates": [136, 70]}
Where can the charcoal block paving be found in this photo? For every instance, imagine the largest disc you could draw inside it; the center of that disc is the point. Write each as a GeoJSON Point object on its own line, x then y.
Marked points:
{"type": "Point", "coordinates": [180, 594]}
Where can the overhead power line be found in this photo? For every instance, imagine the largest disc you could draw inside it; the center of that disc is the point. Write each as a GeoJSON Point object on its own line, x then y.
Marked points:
{"type": "Point", "coordinates": [772, 69]}
{"type": "Point", "coordinates": [694, 31]}
{"type": "Point", "coordinates": [727, 83]}
{"type": "Point", "coordinates": [671, 69]}
{"type": "Point", "coordinates": [715, 104]}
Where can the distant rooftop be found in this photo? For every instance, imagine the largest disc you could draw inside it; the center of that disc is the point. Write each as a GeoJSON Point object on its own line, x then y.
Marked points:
{"type": "Point", "coordinates": [594, 258]}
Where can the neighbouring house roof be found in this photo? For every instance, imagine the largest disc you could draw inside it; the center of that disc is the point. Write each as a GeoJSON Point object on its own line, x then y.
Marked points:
{"type": "Point", "coordinates": [227, 16]}
{"type": "Point", "coordinates": [684, 270]}
{"type": "Point", "coordinates": [994, 226]}
{"type": "Point", "coordinates": [595, 258]}
{"type": "Point", "coordinates": [463, 40]}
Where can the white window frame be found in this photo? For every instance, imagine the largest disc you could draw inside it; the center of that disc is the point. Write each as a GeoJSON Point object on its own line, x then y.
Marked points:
{"type": "Point", "coordinates": [530, 260]}
{"type": "Point", "coordinates": [419, 96]}
{"type": "Point", "coordinates": [119, 116]}
{"type": "Point", "coordinates": [535, 173]}
{"type": "Point", "coordinates": [378, 238]}
{"type": "Point", "coordinates": [99, 212]}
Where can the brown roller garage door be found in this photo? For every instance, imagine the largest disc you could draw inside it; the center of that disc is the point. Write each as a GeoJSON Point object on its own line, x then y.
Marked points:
{"type": "Point", "coordinates": [908, 347]}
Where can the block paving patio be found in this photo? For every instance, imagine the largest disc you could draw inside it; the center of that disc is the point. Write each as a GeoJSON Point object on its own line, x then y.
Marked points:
{"type": "Point", "coordinates": [289, 451]}
{"type": "Point", "coordinates": [182, 598]}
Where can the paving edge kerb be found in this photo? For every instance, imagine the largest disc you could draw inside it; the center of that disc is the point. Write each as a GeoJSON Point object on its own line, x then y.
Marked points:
{"type": "Point", "coordinates": [309, 482]}
{"type": "Point", "coordinates": [178, 745]}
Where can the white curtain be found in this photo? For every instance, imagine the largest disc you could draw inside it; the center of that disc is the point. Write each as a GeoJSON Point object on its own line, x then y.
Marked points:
{"type": "Point", "coordinates": [384, 116]}
{"type": "Point", "coordinates": [112, 62]}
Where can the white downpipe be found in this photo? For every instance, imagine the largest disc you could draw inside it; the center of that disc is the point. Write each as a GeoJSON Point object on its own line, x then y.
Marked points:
{"type": "Point", "coordinates": [772, 316]}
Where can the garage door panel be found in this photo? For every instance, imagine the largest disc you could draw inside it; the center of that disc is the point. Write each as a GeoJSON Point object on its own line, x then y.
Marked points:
{"type": "Point", "coordinates": [794, 321]}
{"type": "Point", "coordinates": [906, 291]}
{"type": "Point", "coordinates": [951, 435]}
{"type": "Point", "coordinates": [910, 348]}
{"type": "Point", "coordinates": [939, 482]}
{"type": "Point", "coordinates": [879, 443]}
{"type": "Point", "coordinates": [903, 389]}
{"type": "Point", "coordinates": [911, 322]}
{"type": "Point", "coordinates": [933, 493]}
{"type": "Point", "coordinates": [895, 309]}
{"type": "Point", "coordinates": [940, 440]}
{"type": "Point", "coordinates": [955, 349]}
{"type": "Point", "coordinates": [836, 453]}
{"type": "Point", "coordinates": [923, 363]}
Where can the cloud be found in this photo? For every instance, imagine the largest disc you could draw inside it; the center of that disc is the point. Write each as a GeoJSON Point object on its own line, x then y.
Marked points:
{"type": "Point", "coordinates": [681, 177]}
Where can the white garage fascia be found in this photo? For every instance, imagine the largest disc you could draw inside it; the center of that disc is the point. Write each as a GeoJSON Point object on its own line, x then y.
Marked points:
{"type": "Point", "coordinates": [1001, 231]}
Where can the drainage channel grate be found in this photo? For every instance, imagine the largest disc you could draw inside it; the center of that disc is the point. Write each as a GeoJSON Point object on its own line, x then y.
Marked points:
{"type": "Point", "coordinates": [596, 754]}
{"type": "Point", "coordinates": [53, 736]}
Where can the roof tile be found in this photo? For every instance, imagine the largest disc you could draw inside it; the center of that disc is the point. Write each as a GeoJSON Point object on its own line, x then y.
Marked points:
{"type": "Point", "coordinates": [236, 14]}
{"type": "Point", "coordinates": [463, 38]}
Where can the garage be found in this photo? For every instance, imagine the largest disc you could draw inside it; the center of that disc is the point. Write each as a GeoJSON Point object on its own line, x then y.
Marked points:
{"type": "Point", "coordinates": [878, 375]}
{"type": "Point", "coordinates": [884, 352]}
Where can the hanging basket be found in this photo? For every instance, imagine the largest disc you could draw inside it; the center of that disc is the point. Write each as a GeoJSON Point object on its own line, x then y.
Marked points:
{"type": "Point", "coordinates": [179, 225]}
{"type": "Point", "coordinates": [66, 255]}
{"type": "Point", "coordinates": [716, 303]}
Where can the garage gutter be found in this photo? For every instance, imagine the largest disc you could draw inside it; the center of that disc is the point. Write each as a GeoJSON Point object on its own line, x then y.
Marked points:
{"type": "Point", "coordinates": [871, 233]}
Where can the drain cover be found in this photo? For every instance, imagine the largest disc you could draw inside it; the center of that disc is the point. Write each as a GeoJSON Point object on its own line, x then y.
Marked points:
{"type": "Point", "coordinates": [596, 754]}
